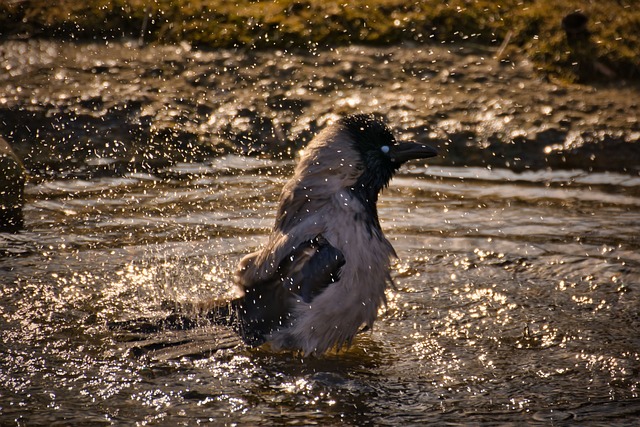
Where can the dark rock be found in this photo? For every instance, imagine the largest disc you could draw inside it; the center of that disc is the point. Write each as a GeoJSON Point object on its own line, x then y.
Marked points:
{"type": "Point", "coordinates": [12, 178]}
{"type": "Point", "coordinates": [551, 136]}
{"type": "Point", "coordinates": [575, 26]}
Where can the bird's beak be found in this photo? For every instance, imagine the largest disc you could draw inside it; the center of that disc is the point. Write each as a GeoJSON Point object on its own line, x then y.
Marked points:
{"type": "Point", "coordinates": [405, 151]}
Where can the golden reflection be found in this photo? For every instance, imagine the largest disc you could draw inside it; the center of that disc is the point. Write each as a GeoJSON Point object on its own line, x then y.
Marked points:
{"type": "Point", "coordinates": [391, 306]}
{"type": "Point", "coordinates": [442, 360]}
{"type": "Point", "coordinates": [158, 399]}
{"type": "Point", "coordinates": [489, 294]}
{"type": "Point", "coordinates": [582, 300]}
{"type": "Point", "coordinates": [405, 269]}
{"type": "Point", "coordinates": [131, 276]}
{"type": "Point", "coordinates": [172, 279]}
{"type": "Point", "coordinates": [486, 362]}
{"type": "Point", "coordinates": [616, 368]}
{"type": "Point", "coordinates": [297, 386]}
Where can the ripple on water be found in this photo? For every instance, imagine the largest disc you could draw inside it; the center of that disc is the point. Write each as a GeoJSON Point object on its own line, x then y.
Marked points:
{"type": "Point", "coordinates": [515, 302]}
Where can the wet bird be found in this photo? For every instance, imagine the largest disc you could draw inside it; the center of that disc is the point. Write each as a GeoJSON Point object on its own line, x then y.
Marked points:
{"type": "Point", "coordinates": [322, 275]}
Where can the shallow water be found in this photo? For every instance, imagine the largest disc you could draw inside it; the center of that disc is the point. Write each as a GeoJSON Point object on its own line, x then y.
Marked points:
{"type": "Point", "coordinates": [517, 301]}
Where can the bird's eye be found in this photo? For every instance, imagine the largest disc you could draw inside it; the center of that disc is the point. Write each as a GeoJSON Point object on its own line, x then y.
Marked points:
{"type": "Point", "coordinates": [384, 149]}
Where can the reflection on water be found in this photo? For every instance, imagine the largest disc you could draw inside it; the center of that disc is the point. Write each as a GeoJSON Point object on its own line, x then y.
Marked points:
{"type": "Point", "coordinates": [517, 300]}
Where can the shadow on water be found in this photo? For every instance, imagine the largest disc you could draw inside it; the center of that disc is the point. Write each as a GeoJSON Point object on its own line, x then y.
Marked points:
{"type": "Point", "coordinates": [517, 301]}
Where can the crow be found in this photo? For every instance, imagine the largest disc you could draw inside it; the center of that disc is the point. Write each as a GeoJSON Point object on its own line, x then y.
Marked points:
{"type": "Point", "coordinates": [322, 275]}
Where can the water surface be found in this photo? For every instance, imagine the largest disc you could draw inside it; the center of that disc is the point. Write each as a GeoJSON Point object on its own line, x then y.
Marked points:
{"type": "Point", "coordinates": [517, 301]}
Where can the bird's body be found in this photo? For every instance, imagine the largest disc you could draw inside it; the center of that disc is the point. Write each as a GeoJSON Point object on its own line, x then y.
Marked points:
{"type": "Point", "coordinates": [331, 198]}
{"type": "Point", "coordinates": [323, 272]}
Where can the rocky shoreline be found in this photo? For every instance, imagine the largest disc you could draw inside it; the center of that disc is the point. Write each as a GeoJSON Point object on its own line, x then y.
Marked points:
{"type": "Point", "coordinates": [112, 106]}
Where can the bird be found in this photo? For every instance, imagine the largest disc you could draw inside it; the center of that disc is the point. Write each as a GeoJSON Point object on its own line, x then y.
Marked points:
{"type": "Point", "coordinates": [322, 274]}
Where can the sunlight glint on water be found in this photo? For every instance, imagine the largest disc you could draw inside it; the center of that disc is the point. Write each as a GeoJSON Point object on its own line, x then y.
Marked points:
{"type": "Point", "coordinates": [516, 297]}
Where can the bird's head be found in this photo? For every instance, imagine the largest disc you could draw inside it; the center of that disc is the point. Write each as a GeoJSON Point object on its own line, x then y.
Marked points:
{"type": "Point", "coordinates": [358, 153]}
{"type": "Point", "coordinates": [379, 152]}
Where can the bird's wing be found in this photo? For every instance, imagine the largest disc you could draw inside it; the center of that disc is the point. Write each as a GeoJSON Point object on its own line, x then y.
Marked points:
{"type": "Point", "coordinates": [301, 275]}
{"type": "Point", "coordinates": [311, 267]}
{"type": "Point", "coordinates": [263, 265]}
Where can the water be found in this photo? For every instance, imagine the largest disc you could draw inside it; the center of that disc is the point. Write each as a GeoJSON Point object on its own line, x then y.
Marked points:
{"type": "Point", "coordinates": [517, 301]}
{"type": "Point", "coordinates": [64, 104]}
